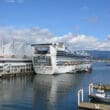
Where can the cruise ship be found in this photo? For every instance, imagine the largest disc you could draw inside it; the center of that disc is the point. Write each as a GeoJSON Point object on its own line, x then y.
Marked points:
{"type": "Point", "coordinates": [54, 58]}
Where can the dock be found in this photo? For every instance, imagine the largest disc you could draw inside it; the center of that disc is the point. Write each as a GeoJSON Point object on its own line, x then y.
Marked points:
{"type": "Point", "coordinates": [101, 86]}
{"type": "Point", "coordinates": [90, 105]}
{"type": "Point", "coordinates": [93, 106]}
{"type": "Point", "coordinates": [12, 67]}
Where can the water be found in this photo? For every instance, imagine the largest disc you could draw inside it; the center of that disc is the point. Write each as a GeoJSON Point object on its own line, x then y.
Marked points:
{"type": "Point", "coordinates": [48, 92]}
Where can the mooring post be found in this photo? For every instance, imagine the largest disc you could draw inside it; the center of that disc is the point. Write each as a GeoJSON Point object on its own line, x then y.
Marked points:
{"type": "Point", "coordinates": [80, 96]}
{"type": "Point", "coordinates": [90, 88]}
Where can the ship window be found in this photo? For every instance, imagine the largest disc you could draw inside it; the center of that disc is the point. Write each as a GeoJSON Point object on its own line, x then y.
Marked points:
{"type": "Point", "coordinates": [42, 60]}
{"type": "Point", "coordinates": [1, 67]}
{"type": "Point", "coordinates": [41, 50]}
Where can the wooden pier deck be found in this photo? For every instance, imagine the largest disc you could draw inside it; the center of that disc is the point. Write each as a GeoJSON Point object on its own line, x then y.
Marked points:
{"type": "Point", "coordinates": [93, 106]}
{"type": "Point", "coordinates": [101, 86]}
{"type": "Point", "coordinates": [90, 105]}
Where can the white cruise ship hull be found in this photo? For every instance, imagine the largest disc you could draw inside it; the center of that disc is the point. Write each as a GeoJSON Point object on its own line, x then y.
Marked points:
{"type": "Point", "coordinates": [57, 70]}
{"type": "Point", "coordinates": [65, 69]}
{"type": "Point", "coordinates": [86, 66]}
{"type": "Point", "coordinates": [61, 69]}
{"type": "Point", "coordinates": [43, 70]}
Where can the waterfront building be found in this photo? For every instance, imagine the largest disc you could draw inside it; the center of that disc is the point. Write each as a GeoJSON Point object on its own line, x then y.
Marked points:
{"type": "Point", "coordinates": [12, 64]}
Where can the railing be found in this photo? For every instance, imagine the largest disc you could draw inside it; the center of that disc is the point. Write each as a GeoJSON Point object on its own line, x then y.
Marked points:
{"type": "Point", "coordinates": [80, 96]}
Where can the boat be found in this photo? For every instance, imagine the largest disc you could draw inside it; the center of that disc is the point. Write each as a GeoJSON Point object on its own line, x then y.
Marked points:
{"type": "Point", "coordinates": [55, 58]}
{"type": "Point", "coordinates": [100, 96]}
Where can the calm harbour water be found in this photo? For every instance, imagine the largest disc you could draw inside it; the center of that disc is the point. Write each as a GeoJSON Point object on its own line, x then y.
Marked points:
{"type": "Point", "coordinates": [48, 92]}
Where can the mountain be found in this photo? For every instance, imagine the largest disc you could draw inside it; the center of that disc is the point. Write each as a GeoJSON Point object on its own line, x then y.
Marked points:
{"type": "Point", "coordinates": [103, 55]}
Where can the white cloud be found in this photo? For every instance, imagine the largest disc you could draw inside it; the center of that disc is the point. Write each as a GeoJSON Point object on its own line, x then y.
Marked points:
{"type": "Point", "coordinates": [34, 34]}
{"type": "Point", "coordinates": [28, 36]}
{"type": "Point", "coordinates": [38, 35]}
{"type": "Point", "coordinates": [14, 1]}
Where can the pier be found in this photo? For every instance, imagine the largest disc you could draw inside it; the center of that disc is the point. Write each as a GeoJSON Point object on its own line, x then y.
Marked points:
{"type": "Point", "coordinates": [90, 105]}
{"type": "Point", "coordinates": [101, 86]}
{"type": "Point", "coordinates": [93, 106]}
{"type": "Point", "coordinates": [15, 67]}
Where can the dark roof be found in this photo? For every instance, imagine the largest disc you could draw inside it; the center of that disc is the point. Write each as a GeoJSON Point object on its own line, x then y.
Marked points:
{"type": "Point", "coordinates": [41, 44]}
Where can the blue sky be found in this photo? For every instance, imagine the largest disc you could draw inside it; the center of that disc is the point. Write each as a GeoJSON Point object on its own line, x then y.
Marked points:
{"type": "Point", "coordinates": [89, 17]}
{"type": "Point", "coordinates": [81, 24]}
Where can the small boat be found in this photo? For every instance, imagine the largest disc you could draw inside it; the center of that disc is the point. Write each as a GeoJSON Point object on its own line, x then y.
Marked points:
{"type": "Point", "coordinates": [100, 96]}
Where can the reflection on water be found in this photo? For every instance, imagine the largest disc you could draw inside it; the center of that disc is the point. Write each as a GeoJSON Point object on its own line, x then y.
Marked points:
{"type": "Point", "coordinates": [48, 92]}
{"type": "Point", "coordinates": [41, 92]}
{"type": "Point", "coordinates": [15, 93]}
